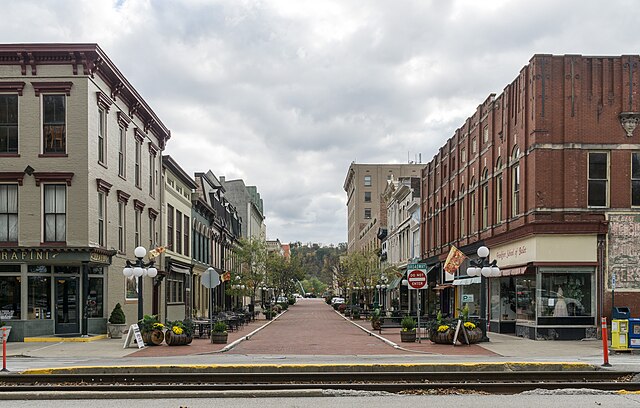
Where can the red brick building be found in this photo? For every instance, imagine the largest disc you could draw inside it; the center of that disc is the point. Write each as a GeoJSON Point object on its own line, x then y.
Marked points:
{"type": "Point", "coordinates": [547, 176]}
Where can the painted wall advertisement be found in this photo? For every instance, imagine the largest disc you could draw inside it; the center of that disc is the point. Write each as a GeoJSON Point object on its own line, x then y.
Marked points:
{"type": "Point", "coordinates": [624, 240]}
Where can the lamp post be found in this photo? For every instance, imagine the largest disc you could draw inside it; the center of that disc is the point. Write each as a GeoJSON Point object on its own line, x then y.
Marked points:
{"type": "Point", "coordinates": [484, 268]}
{"type": "Point", "coordinates": [140, 269]}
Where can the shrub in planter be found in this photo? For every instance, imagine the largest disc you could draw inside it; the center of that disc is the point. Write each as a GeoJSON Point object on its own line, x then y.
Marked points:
{"type": "Point", "coordinates": [219, 333]}
{"type": "Point", "coordinates": [355, 313]}
{"type": "Point", "coordinates": [179, 332]}
{"type": "Point", "coordinates": [342, 307]}
{"type": "Point", "coordinates": [117, 322]}
{"type": "Point", "coordinates": [291, 300]}
{"type": "Point", "coordinates": [408, 332]}
{"type": "Point", "coordinates": [283, 305]}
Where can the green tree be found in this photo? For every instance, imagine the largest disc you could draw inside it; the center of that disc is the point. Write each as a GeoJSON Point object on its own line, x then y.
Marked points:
{"type": "Point", "coordinates": [283, 274]}
{"type": "Point", "coordinates": [363, 271]}
{"type": "Point", "coordinates": [252, 258]}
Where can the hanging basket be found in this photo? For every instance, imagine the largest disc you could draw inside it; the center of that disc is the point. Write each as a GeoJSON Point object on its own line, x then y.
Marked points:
{"type": "Point", "coordinates": [173, 339]}
{"type": "Point", "coordinates": [153, 337]}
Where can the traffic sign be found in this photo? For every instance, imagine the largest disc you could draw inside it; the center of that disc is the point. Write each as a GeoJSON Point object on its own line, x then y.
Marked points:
{"type": "Point", "coordinates": [210, 278]}
{"type": "Point", "coordinates": [417, 279]}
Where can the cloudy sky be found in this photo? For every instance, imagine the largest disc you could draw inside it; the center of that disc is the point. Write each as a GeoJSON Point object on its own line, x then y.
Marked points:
{"type": "Point", "coordinates": [285, 94]}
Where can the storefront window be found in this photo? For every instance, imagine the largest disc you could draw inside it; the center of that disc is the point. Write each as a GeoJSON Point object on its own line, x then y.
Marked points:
{"type": "Point", "coordinates": [9, 297]}
{"type": "Point", "coordinates": [503, 299]}
{"type": "Point", "coordinates": [95, 301]}
{"type": "Point", "coordinates": [526, 298]}
{"type": "Point", "coordinates": [10, 268]}
{"type": "Point", "coordinates": [39, 269]}
{"type": "Point", "coordinates": [39, 290]}
{"type": "Point", "coordinates": [72, 270]}
{"type": "Point", "coordinates": [471, 298]}
{"type": "Point", "coordinates": [565, 293]}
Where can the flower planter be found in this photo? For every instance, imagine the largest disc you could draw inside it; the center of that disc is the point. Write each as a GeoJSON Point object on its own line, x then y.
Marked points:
{"type": "Point", "coordinates": [115, 330]}
{"type": "Point", "coordinates": [153, 337]}
{"type": "Point", "coordinates": [442, 337]}
{"type": "Point", "coordinates": [219, 338]}
{"type": "Point", "coordinates": [173, 339]}
{"type": "Point", "coordinates": [474, 335]}
{"type": "Point", "coordinates": [408, 336]}
{"type": "Point", "coordinates": [375, 324]}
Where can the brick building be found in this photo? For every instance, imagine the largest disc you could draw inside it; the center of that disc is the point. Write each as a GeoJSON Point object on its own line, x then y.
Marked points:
{"type": "Point", "coordinates": [547, 176]}
{"type": "Point", "coordinates": [80, 154]}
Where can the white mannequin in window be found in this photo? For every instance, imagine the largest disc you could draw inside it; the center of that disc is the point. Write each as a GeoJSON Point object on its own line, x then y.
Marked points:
{"type": "Point", "coordinates": [561, 307]}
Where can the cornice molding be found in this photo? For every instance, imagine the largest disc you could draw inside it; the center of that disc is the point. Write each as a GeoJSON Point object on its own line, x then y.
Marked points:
{"type": "Point", "coordinates": [52, 177]}
{"type": "Point", "coordinates": [104, 101]}
{"type": "Point", "coordinates": [139, 135]}
{"type": "Point", "coordinates": [123, 197]}
{"type": "Point", "coordinates": [50, 87]}
{"type": "Point", "coordinates": [12, 176]}
{"type": "Point", "coordinates": [153, 149]}
{"type": "Point", "coordinates": [123, 120]}
{"type": "Point", "coordinates": [103, 186]}
{"type": "Point", "coordinates": [138, 205]}
{"type": "Point", "coordinates": [93, 60]}
{"type": "Point", "coordinates": [14, 86]}
{"type": "Point", "coordinates": [153, 213]}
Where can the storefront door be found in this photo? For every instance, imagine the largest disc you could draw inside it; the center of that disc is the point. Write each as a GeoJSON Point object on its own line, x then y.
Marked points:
{"type": "Point", "coordinates": [67, 305]}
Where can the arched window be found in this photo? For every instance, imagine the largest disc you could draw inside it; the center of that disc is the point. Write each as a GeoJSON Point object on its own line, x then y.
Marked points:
{"type": "Point", "coordinates": [498, 189]}
{"type": "Point", "coordinates": [515, 182]}
{"type": "Point", "coordinates": [485, 198]}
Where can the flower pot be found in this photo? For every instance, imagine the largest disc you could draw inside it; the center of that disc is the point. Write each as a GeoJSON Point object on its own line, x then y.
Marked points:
{"type": "Point", "coordinates": [408, 336]}
{"type": "Point", "coordinates": [474, 335]}
{"type": "Point", "coordinates": [219, 338]}
{"type": "Point", "coordinates": [375, 324]}
{"type": "Point", "coordinates": [442, 337]}
{"type": "Point", "coordinates": [115, 330]}
{"type": "Point", "coordinates": [173, 339]}
{"type": "Point", "coordinates": [153, 337]}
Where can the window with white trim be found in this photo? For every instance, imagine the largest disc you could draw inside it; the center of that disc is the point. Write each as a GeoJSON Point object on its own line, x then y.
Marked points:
{"type": "Point", "coordinates": [101, 218]}
{"type": "Point", "coordinates": [121, 226]}
{"type": "Point", "coordinates": [55, 212]}
{"type": "Point", "coordinates": [102, 131]}
{"type": "Point", "coordinates": [54, 130]}
{"type": "Point", "coordinates": [8, 123]}
{"type": "Point", "coordinates": [8, 213]}
{"type": "Point", "coordinates": [122, 155]}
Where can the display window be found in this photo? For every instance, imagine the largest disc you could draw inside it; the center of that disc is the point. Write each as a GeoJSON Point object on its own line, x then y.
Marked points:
{"type": "Point", "coordinates": [503, 298]}
{"type": "Point", "coordinates": [10, 297]}
{"type": "Point", "coordinates": [470, 297]}
{"type": "Point", "coordinates": [525, 290]}
{"type": "Point", "coordinates": [39, 297]}
{"type": "Point", "coordinates": [565, 292]}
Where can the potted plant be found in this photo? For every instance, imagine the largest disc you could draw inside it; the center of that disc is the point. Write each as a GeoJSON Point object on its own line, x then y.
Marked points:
{"type": "Point", "coordinates": [376, 322]}
{"type": "Point", "coordinates": [408, 332]}
{"type": "Point", "coordinates": [219, 333]}
{"type": "Point", "coordinates": [440, 330]}
{"type": "Point", "coordinates": [355, 313]}
{"type": "Point", "coordinates": [152, 330]}
{"type": "Point", "coordinates": [117, 322]}
{"type": "Point", "coordinates": [268, 314]}
{"type": "Point", "coordinates": [179, 333]}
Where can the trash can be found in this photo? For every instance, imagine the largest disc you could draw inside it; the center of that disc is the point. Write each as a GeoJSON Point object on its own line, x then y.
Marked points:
{"type": "Point", "coordinates": [619, 334]}
{"type": "Point", "coordinates": [620, 313]}
{"type": "Point", "coordinates": [634, 333]}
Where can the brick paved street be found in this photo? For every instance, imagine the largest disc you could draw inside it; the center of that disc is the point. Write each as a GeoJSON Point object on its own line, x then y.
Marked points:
{"type": "Point", "coordinates": [313, 327]}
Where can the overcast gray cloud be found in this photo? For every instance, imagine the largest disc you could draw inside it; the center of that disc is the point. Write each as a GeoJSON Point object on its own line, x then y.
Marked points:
{"type": "Point", "coordinates": [286, 93]}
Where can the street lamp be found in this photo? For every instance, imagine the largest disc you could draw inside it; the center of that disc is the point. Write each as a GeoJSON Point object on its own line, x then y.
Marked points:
{"type": "Point", "coordinates": [484, 268]}
{"type": "Point", "coordinates": [140, 269]}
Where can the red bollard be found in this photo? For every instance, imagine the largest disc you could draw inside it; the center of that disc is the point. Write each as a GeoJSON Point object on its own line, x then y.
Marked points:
{"type": "Point", "coordinates": [605, 343]}
{"type": "Point", "coordinates": [4, 349]}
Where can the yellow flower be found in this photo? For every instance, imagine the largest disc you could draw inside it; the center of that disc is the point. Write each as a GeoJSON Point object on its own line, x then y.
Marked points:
{"type": "Point", "coordinates": [443, 328]}
{"type": "Point", "coordinates": [158, 326]}
{"type": "Point", "coordinates": [176, 330]}
{"type": "Point", "coordinates": [469, 326]}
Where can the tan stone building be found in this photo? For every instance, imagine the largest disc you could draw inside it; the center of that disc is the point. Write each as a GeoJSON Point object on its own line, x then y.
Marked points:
{"type": "Point", "coordinates": [79, 189]}
{"type": "Point", "coordinates": [366, 213]}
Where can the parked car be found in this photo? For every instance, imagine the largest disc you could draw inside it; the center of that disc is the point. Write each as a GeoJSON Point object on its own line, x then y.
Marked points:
{"type": "Point", "coordinates": [337, 301]}
{"type": "Point", "coordinates": [282, 299]}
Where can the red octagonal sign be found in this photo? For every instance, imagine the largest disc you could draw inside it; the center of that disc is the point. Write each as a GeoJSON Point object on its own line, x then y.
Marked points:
{"type": "Point", "coordinates": [417, 279]}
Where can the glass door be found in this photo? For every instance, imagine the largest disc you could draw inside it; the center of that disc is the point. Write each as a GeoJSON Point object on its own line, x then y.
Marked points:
{"type": "Point", "coordinates": [67, 305]}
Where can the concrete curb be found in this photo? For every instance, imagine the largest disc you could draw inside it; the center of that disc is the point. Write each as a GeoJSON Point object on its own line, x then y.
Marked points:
{"type": "Point", "coordinates": [76, 395]}
{"type": "Point", "coordinates": [379, 337]}
{"type": "Point", "coordinates": [243, 338]}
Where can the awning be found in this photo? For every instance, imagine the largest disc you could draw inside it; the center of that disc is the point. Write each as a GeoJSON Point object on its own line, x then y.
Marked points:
{"type": "Point", "coordinates": [179, 269]}
{"type": "Point", "coordinates": [513, 271]}
{"type": "Point", "coordinates": [466, 281]}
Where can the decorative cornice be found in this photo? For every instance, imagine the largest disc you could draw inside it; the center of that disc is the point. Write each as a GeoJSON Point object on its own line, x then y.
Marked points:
{"type": "Point", "coordinates": [138, 205]}
{"type": "Point", "coordinates": [93, 61]}
{"type": "Point", "coordinates": [12, 87]}
{"type": "Point", "coordinates": [123, 197]}
{"type": "Point", "coordinates": [123, 120]}
{"type": "Point", "coordinates": [153, 149]}
{"type": "Point", "coordinates": [104, 101]}
{"type": "Point", "coordinates": [11, 176]}
{"type": "Point", "coordinates": [153, 213]}
{"type": "Point", "coordinates": [138, 135]}
{"type": "Point", "coordinates": [103, 186]}
{"type": "Point", "coordinates": [50, 87]}
{"type": "Point", "coordinates": [52, 177]}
